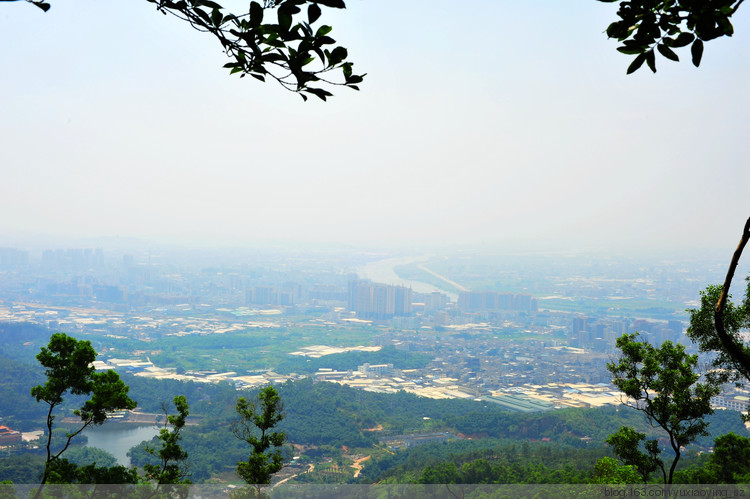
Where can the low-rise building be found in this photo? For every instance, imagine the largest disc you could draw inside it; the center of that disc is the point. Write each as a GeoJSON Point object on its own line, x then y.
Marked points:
{"type": "Point", "coordinates": [9, 437]}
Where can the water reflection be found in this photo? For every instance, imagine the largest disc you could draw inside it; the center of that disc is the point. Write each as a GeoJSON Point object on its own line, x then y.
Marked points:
{"type": "Point", "coordinates": [118, 438]}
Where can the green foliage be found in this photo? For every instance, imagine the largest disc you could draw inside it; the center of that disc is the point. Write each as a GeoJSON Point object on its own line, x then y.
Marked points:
{"type": "Point", "coordinates": [21, 341]}
{"type": "Point", "coordinates": [648, 26]}
{"type": "Point", "coordinates": [445, 472]}
{"type": "Point", "coordinates": [495, 464]}
{"type": "Point", "coordinates": [730, 461]}
{"type": "Point", "coordinates": [256, 420]}
{"type": "Point", "coordinates": [662, 383]}
{"type": "Point", "coordinates": [285, 48]}
{"type": "Point", "coordinates": [251, 349]}
{"type": "Point", "coordinates": [208, 400]}
{"type": "Point", "coordinates": [275, 39]}
{"type": "Point", "coordinates": [608, 471]}
{"type": "Point", "coordinates": [570, 425]}
{"type": "Point", "coordinates": [69, 369]}
{"type": "Point", "coordinates": [22, 468]}
{"type": "Point", "coordinates": [351, 360]}
{"type": "Point", "coordinates": [62, 471]}
{"type": "Point", "coordinates": [171, 457]}
{"type": "Point", "coordinates": [626, 445]}
{"type": "Point", "coordinates": [329, 416]}
{"type": "Point", "coordinates": [83, 456]}
{"type": "Point", "coordinates": [16, 379]}
{"type": "Point", "coordinates": [728, 366]}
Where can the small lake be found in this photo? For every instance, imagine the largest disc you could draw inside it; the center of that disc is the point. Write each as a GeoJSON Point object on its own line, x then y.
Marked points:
{"type": "Point", "coordinates": [118, 438]}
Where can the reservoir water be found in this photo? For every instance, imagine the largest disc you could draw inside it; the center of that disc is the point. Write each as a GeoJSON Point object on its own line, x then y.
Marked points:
{"type": "Point", "coordinates": [118, 438]}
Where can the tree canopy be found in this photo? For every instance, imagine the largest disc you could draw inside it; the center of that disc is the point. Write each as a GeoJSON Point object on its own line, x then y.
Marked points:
{"type": "Point", "coordinates": [69, 369]}
{"type": "Point", "coordinates": [255, 423]}
{"type": "Point", "coordinates": [171, 468]}
{"type": "Point", "coordinates": [649, 26]}
{"type": "Point", "coordinates": [663, 383]}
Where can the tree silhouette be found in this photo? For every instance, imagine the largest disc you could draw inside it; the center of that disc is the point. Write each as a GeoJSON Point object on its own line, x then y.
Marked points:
{"type": "Point", "coordinates": [662, 382]}
{"type": "Point", "coordinates": [274, 39]}
{"type": "Point", "coordinates": [649, 26]}
{"type": "Point", "coordinates": [256, 420]}
{"type": "Point", "coordinates": [69, 370]}
{"type": "Point", "coordinates": [170, 468]}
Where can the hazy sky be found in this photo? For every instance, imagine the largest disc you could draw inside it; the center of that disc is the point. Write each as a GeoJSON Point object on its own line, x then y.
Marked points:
{"type": "Point", "coordinates": [481, 121]}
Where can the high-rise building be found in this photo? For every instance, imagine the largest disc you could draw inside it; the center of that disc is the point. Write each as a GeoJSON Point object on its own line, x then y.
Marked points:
{"type": "Point", "coordinates": [378, 301]}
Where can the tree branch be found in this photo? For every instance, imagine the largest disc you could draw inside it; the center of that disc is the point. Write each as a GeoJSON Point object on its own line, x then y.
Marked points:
{"type": "Point", "coordinates": [735, 350]}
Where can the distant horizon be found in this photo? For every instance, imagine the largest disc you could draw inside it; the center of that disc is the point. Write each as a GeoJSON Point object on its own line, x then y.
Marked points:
{"type": "Point", "coordinates": [41, 242]}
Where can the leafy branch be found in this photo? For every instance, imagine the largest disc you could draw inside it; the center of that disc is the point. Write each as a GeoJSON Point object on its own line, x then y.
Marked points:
{"type": "Point", "coordinates": [274, 40]}
{"type": "Point", "coordinates": [648, 26]}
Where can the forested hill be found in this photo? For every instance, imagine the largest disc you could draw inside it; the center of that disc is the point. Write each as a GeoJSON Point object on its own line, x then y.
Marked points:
{"type": "Point", "coordinates": [323, 418]}
{"type": "Point", "coordinates": [22, 341]}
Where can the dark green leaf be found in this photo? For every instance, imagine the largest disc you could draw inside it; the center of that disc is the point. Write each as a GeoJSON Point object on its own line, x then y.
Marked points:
{"type": "Point", "coordinates": [203, 16]}
{"type": "Point", "coordinates": [697, 52]}
{"type": "Point", "coordinates": [337, 55]}
{"type": "Point", "coordinates": [319, 92]}
{"type": "Point", "coordinates": [273, 57]}
{"type": "Point", "coordinates": [637, 63]}
{"type": "Point", "coordinates": [323, 30]}
{"type": "Point", "coordinates": [667, 52]}
{"type": "Point", "coordinates": [285, 19]}
{"type": "Point", "coordinates": [216, 17]}
{"type": "Point", "coordinates": [275, 43]}
{"type": "Point", "coordinates": [347, 69]}
{"type": "Point", "coordinates": [683, 40]}
{"type": "Point", "coordinates": [651, 60]}
{"type": "Point", "coordinates": [256, 14]}
{"type": "Point", "coordinates": [726, 26]}
{"type": "Point", "coordinates": [208, 3]}
{"type": "Point", "coordinates": [630, 50]}
{"type": "Point", "coordinates": [313, 13]}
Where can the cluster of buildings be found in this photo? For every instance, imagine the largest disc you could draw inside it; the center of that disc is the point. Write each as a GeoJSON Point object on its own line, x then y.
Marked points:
{"type": "Point", "coordinates": [376, 301]}
{"type": "Point", "coordinates": [8, 437]}
{"type": "Point", "coordinates": [482, 343]}
{"type": "Point", "coordinates": [477, 301]}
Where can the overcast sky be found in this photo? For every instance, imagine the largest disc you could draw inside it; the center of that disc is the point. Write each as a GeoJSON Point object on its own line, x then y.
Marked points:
{"type": "Point", "coordinates": [485, 121]}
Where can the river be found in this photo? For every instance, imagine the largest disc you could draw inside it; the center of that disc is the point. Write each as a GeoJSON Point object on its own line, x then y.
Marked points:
{"type": "Point", "coordinates": [383, 271]}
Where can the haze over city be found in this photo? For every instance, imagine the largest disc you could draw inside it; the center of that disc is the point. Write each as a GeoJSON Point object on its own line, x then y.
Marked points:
{"type": "Point", "coordinates": [495, 263]}
{"type": "Point", "coordinates": [494, 122]}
